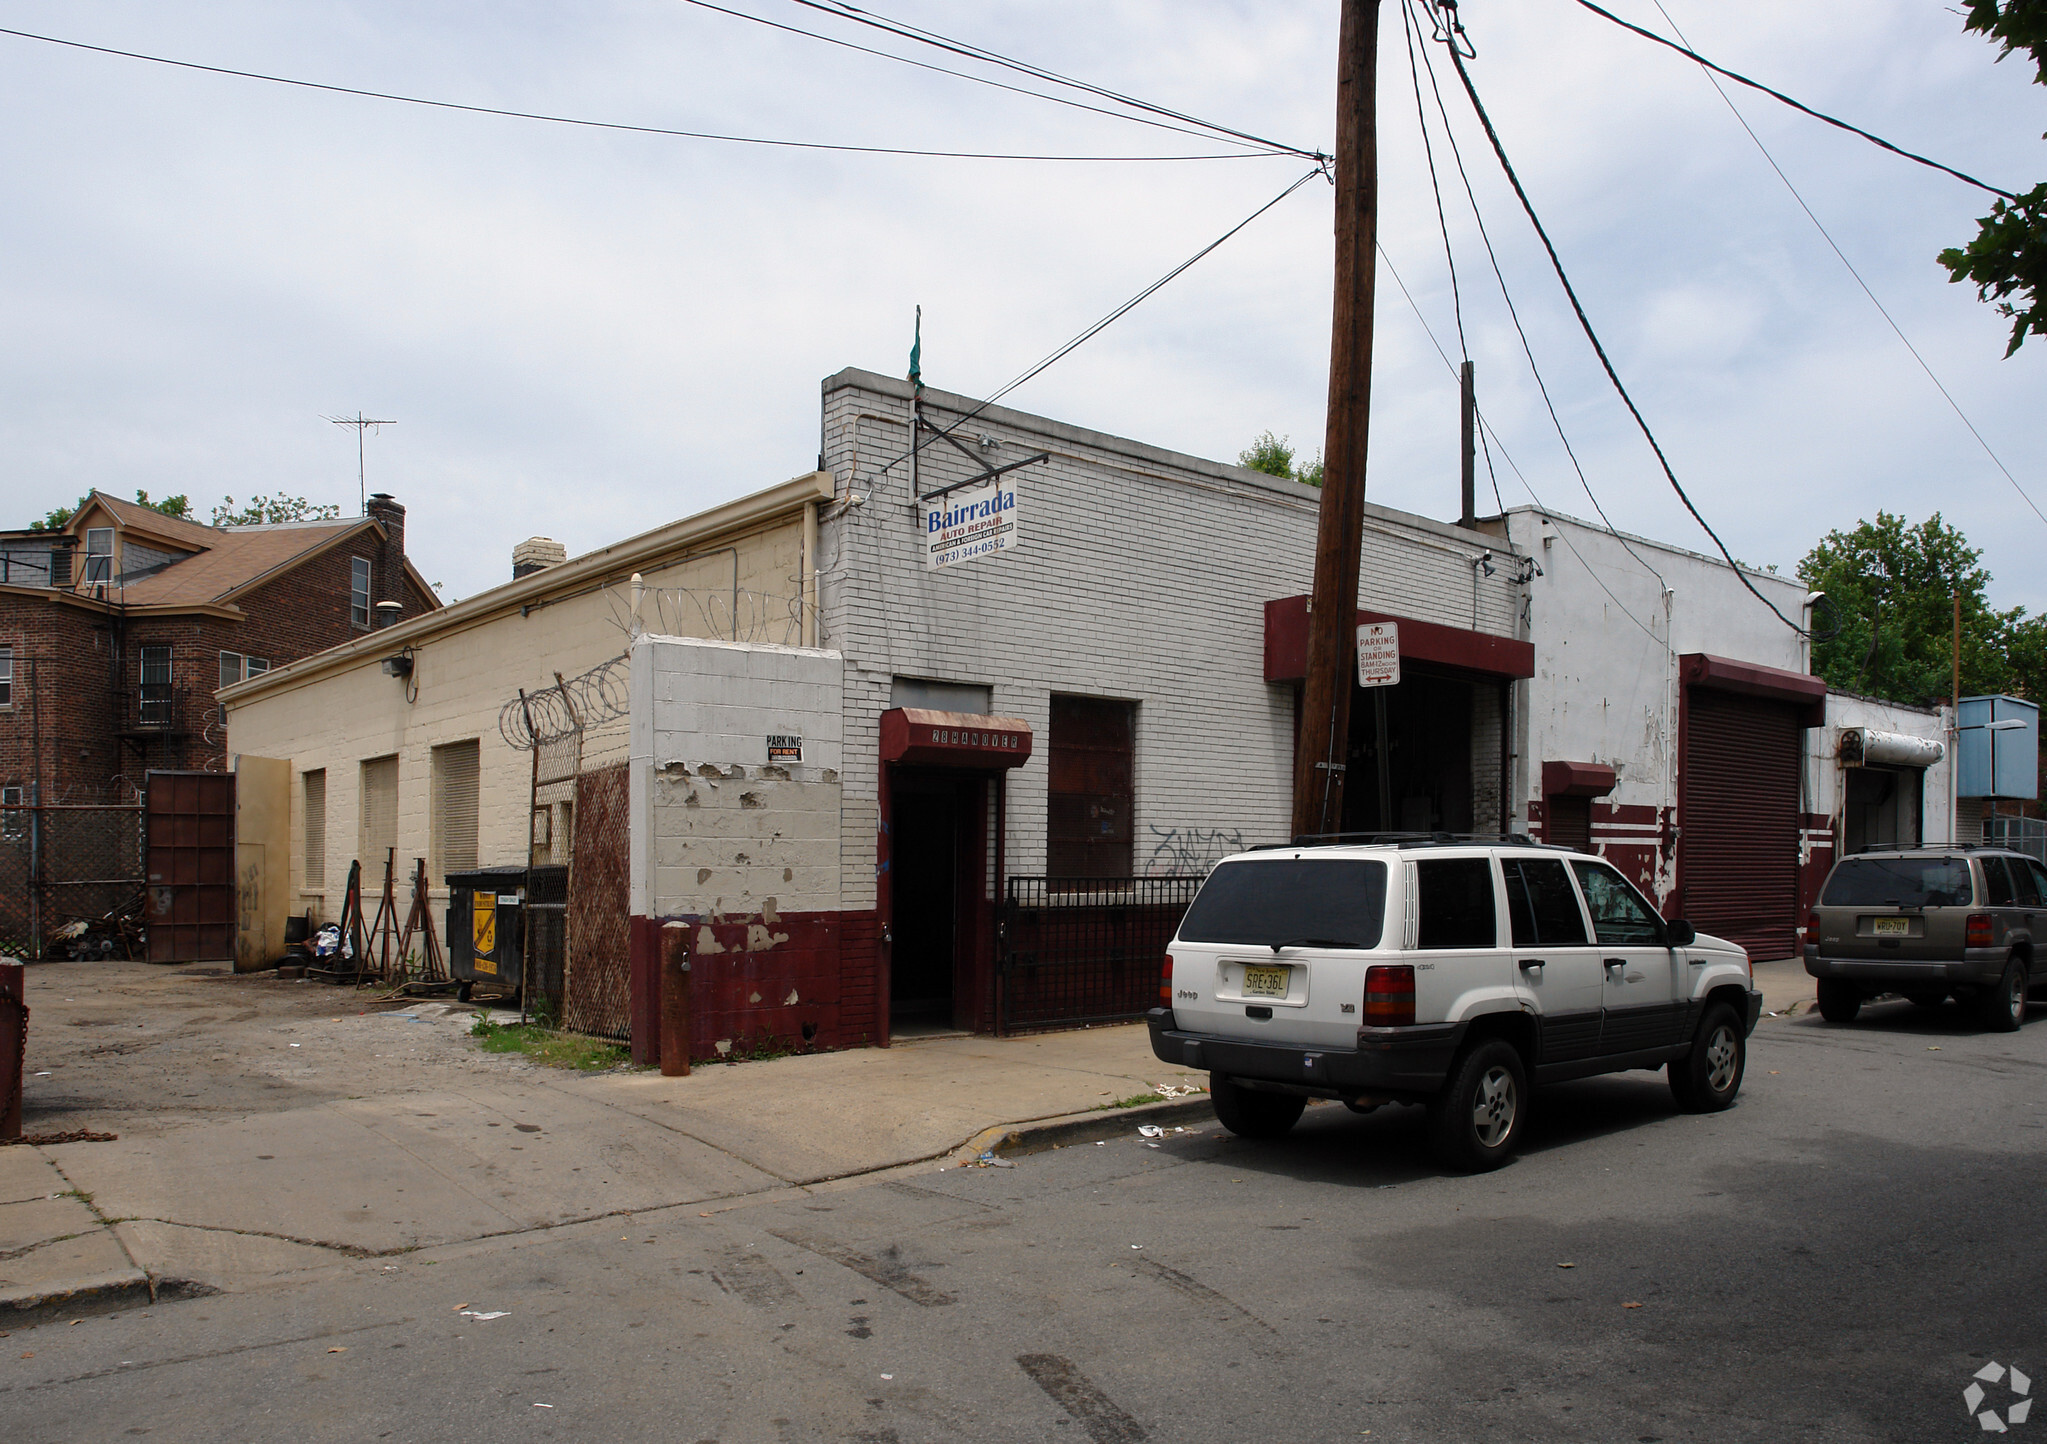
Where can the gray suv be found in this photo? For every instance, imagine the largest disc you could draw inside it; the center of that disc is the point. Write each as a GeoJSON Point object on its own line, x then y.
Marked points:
{"type": "Point", "coordinates": [1930, 922]}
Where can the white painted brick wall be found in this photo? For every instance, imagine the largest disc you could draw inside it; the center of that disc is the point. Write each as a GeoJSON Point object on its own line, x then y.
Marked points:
{"type": "Point", "coordinates": [715, 827]}
{"type": "Point", "coordinates": [1142, 575]}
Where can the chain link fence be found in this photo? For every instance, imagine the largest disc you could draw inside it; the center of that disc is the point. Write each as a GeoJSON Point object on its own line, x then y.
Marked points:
{"type": "Point", "coordinates": [71, 880]}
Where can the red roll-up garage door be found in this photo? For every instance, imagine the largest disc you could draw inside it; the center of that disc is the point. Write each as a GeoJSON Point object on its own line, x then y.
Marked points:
{"type": "Point", "coordinates": [1738, 819]}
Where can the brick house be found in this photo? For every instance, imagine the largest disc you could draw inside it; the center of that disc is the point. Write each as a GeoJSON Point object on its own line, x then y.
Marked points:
{"type": "Point", "coordinates": [116, 631]}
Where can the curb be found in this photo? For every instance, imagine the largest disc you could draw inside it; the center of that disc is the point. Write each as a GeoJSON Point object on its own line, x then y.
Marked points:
{"type": "Point", "coordinates": [1012, 1140]}
{"type": "Point", "coordinates": [107, 1294]}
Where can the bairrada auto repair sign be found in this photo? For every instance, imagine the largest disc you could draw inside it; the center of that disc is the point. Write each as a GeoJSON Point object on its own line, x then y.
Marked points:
{"type": "Point", "coordinates": [975, 521]}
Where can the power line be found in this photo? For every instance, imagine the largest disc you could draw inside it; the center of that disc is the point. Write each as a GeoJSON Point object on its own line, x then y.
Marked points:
{"type": "Point", "coordinates": [1598, 349]}
{"type": "Point", "coordinates": [1206, 134]}
{"type": "Point", "coordinates": [600, 124]}
{"type": "Point", "coordinates": [1947, 395]}
{"type": "Point", "coordinates": [1514, 314]}
{"type": "Point", "coordinates": [1800, 106]}
{"type": "Point", "coordinates": [970, 51]}
{"type": "Point", "coordinates": [1098, 327]}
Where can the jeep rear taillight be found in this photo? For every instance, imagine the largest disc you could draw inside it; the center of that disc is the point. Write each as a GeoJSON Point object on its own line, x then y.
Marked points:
{"type": "Point", "coordinates": [1812, 926]}
{"type": "Point", "coordinates": [1389, 996]}
{"type": "Point", "coordinates": [1977, 933]}
{"type": "Point", "coordinates": [1166, 983]}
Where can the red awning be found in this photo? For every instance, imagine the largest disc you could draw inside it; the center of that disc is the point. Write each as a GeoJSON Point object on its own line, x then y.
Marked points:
{"type": "Point", "coordinates": [1286, 644]}
{"type": "Point", "coordinates": [924, 738]}
{"type": "Point", "coordinates": [1753, 679]}
{"type": "Point", "coordinates": [1577, 779]}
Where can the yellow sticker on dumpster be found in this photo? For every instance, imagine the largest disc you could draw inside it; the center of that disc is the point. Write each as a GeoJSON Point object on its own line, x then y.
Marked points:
{"type": "Point", "coordinates": [483, 929]}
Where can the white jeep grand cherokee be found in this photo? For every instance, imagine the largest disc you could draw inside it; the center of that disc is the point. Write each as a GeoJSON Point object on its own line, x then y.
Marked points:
{"type": "Point", "coordinates": [1446, 972]}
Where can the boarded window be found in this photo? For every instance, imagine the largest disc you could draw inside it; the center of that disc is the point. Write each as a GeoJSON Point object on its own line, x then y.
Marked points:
{"type": "Point", "coordinates": [315, 784]}
{"type": "Point", "coordinates": [454, 840]}
{"type": "Point", "coordinates": [1093, 787]}
{"type": "Point", "coordinates": [379, 830]}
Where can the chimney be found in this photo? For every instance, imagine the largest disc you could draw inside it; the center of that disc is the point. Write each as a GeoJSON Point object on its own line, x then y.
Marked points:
{"type": "Point", "coordinates": [537, 554]}
{"type": "Point", "coordinates": [387, 578]}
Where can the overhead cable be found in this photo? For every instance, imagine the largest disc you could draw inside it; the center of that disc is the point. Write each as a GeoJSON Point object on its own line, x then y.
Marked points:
{"type": "Point", "coordinates": [1882, 310]}
{"type": "Point", "coordinates": [1514, 314]}
{"type": "Point", "coordinates": [599, 124]}
{"type": "Point", "coordinates": [1800, 106]}
{"type": "Point", "coordinates": [974, 52]}
{"type": "Point", "coordinates": [1098, 327]}
{"type": "Point", "coordinates": [1205, 134]}
{"type": "Point", "coordinates": [1598, 348]}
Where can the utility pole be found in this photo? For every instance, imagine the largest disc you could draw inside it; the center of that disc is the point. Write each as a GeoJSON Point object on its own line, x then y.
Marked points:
{"type": "Point", "coordinates": [1323, 750]}
{"type": "Point", "coordinates": [1468, 408]}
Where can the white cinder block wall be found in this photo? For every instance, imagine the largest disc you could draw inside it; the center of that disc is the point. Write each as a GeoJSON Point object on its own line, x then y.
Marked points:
{"type": "Point", "coordinates": [1142, 575]}
{"type": "Point", "coordinates": [718, 829]}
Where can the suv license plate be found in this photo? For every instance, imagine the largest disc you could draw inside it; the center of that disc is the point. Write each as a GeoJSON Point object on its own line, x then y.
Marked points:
{"type": "Point", "coordinates": [1265, 982]}
{"type": "Point", "coordinates": [1891, 927]}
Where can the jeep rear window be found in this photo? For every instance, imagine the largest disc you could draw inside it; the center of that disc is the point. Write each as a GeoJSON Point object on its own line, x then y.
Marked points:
{"type": "Point", "coordinates": [1339, 901]}
{"type": "Point", "coordinates": [1906, 882]}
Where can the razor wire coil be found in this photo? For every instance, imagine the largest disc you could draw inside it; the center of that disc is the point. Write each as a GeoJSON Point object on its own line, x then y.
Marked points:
{"type": "Point", "coordinates": [602, 694]}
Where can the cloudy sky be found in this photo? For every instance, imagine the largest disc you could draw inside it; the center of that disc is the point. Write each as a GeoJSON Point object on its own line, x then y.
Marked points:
{"type": "Point", "coordinates": [582, 332]}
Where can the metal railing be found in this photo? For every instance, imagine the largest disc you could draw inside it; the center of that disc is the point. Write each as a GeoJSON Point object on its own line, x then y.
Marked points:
{"type": "Point", "coordinates": [2020, 834]}
{"type": "Point", "coordinates": [1075, 950]}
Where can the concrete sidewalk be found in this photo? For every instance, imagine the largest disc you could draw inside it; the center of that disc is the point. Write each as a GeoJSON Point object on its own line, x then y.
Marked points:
{"type": "Point", "coordinates": [469, 1146]}
{"type": "Point", "coordinates": [325, 1140]}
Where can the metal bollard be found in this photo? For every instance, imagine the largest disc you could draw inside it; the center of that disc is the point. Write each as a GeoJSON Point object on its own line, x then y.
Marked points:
{"type": "Point", "coordinates": [675, 1009]}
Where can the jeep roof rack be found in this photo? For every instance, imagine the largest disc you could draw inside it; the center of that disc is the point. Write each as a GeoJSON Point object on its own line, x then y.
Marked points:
{"type": "Point", "coordinates": [1411, 839]}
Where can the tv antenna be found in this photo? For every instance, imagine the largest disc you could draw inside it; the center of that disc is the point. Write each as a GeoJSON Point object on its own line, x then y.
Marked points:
{"type": "Point", "coordinates": [361, 423]}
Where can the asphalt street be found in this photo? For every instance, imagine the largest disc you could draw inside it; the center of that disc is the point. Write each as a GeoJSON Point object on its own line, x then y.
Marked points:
{"type": "Point", "coordinates": [1832, 1259]}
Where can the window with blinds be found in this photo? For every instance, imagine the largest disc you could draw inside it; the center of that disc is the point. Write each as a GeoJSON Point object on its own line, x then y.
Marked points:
{"type": "Point", "coordinates": [315, 784]}
{"type": "Point", "coordinates": [379, 827]}
{"type": "Point", "coordinates": [454, 809]}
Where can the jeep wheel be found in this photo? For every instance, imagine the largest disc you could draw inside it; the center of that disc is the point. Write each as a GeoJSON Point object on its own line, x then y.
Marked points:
{"type": "Point", "coordinates": [2002, 1007]}
{"type": "Point", "coordinates": [1476, 1120]}
{"type": "Point", "coordinates": [1250, 1114]}
{"type": "Point", "coordinates": [1839, 1001]}
{"type": "Point", "coordinates": [1706, 1079]}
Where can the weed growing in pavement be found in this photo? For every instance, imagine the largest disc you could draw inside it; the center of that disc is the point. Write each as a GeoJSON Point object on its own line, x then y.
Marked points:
{"type": "Point", "coordinates": [1155, 1096]}
{"type": "Point", "coordinates": [764, 1050]}
{"type": "Point", "coordinates": [546, 1045]}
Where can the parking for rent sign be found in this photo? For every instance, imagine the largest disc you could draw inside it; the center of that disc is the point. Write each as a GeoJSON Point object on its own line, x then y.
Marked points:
{"type": "Point", "coordinates": [975, 521]}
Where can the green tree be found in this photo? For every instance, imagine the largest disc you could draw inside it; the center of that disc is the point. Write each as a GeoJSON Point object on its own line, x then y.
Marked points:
{"type": "Point", "coordinates": [1274, 455]}
{"type": "Point", "coordinates": [268, 510]}
{"type": "Point", "coordinates": [1892, 586]}
{"type": "Point", "coordinates": [2007, 261]}
{"type": "Point", "coordinates": [60, 517]}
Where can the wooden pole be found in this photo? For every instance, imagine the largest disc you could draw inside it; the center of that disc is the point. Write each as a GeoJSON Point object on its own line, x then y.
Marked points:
{"type": "Point", "coordinates": [1467, 396]}
{"type": "Point", "coordinates": [675, 1009]}
{"type": "Point", "coordinates": [1323, 748]}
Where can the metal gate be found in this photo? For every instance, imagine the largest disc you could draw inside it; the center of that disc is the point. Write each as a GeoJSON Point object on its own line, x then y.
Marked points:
{"type": "Point", "coordinates": [71, 880]}
{"type": "Point", "coordinates": [191, 866]}
{"type": "Point", "coordinates": [1739, 818]}
{"type": "Point", "coordinates": [1084, 950]}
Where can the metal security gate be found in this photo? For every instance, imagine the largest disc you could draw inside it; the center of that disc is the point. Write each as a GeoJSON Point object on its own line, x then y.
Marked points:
{"type": "Point", "coordinates": [71, 880]}
{"type": "Point", "coordinates": [190, 870]}
{"type": "Point", "coordinates": [1738, 820]}
{"type": "Point", "coordinates": [1084, 950]}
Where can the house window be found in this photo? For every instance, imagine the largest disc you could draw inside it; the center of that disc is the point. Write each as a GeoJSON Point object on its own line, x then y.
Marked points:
{"type": "Point", "coordinates": [1092, 786]}
{"type": "Point", "coordinates": [234, 667]}
{"type": "Point", "coordinates": [6, 676]}
{"type": "Point", "coordinates": [378, 833]}
{"type": "Point", "coordinates": [13, 821]}
{"type": "Point", "coordinates": [359, 592]}
{"type": "Point", "coordinates": [454, 808]}
{"type": "Point", "coordinates": [155, 698]}
{"type": "Point", "coordinates": [99, 554]}
{"type": "Point", "coordinates": [315, 784]}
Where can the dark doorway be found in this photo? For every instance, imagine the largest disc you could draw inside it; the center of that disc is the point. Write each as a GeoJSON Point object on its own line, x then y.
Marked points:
{"type": "Point", "coordinates": [1410, 760]}
{"type": "Point", "coordinates": [1881, 808]}
{"type": "Point", "coordinates": [940, 906]}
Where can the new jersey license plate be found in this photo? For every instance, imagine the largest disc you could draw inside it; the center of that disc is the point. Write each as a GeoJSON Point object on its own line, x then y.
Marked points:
{"type": "Point", "coordinates": [1265, 982]}
{"type": "Point", "coordinates": [1891, 927]}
